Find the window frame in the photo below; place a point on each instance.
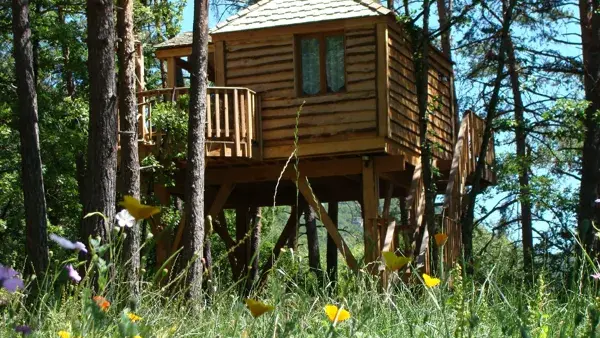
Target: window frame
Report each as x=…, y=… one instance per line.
x=321, y=36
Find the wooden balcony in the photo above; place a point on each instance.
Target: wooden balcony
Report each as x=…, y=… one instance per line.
x=232, y=121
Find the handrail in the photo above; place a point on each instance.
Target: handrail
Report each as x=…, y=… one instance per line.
x=232, y=117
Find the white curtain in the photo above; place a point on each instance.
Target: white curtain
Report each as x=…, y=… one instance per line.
x=334, y=65
x=311, y=79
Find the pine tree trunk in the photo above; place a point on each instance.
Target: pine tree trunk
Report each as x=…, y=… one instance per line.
x=101, y=173
x=468, y=213
x=590, y=160
x=312, y=239
x=521, y=141
x=130, y=164
x=332, y=251
x=241, y=253
x=421, y=56
x=253, y=255
x=193, y=236
x=31, y=162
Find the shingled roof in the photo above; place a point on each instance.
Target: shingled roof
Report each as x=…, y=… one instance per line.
x=180, y=40
x=277, y=13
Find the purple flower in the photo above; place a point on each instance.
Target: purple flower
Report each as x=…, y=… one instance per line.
x=73, y=274
x=23, y=329
x=9, y=279
x=596, y=275
x=67, y=244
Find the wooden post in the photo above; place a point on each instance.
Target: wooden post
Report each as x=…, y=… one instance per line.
x=171, y=72
x=370, y=187
x=332, y=254
x=220, y=63
x=383, y=81
x=241, y=227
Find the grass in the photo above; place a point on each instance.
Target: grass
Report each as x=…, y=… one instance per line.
x=485, y=307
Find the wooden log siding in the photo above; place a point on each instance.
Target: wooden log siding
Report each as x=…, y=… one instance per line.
x=267, y=67
x=404, y=113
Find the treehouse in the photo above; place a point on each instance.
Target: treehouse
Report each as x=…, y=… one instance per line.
x=333, y=83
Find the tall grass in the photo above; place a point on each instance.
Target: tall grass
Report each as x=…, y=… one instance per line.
x=464, y=307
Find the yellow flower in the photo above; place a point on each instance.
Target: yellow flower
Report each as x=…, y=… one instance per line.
x=431, y=281
x=440, y=239
x=137, y=209
x=332, y=311
x=137, y=336
x=257, y=308
x=133, y=317
x=64, y=334
x=393, y=262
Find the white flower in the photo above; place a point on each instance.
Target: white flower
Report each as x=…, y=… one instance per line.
x=124, y=219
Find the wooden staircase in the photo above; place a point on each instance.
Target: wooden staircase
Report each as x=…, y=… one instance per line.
x=455, y=177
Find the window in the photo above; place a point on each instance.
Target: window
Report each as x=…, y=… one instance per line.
x=322, y=66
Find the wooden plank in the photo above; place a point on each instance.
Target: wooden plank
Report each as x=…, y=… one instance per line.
x=306, y=191
x=310, y=111
x=217, y=114
x=220, y=70
x=236, y=120
x=243, y=114
x=262, y=61
x=370, y=204
x=339, y=116
x=259, y=52
x=320, y=130
x=258, y=70
x=208, y=116
x=373, y=144
x=171, y=72
x=455, y=168
x=250, y=123
x=307, y=101
x=383, y=83
x=226, y=111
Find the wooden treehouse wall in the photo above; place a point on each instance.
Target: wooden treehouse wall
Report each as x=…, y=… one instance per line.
x=266, y=65
x=403, y=109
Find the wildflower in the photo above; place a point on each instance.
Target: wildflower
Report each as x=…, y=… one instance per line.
x=258, y=308
x=102, y=303
x=67, y=244
x=125, y=219
x=137, y=209
x=440, y=239
x=9, y=279
x=137, y=336
x=64, y=334
x=336, y=315
x=431, y=281
x=73, y=274
x=133, y=317
x=393, y=262
x=596, y=276
x=23, y=329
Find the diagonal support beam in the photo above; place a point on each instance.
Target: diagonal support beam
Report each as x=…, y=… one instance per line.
x=307, y=192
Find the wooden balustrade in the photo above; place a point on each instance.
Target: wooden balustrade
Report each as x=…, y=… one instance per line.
x=232, y=120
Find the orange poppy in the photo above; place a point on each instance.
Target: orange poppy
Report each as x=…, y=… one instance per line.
x=440, y=239
x=102, y=303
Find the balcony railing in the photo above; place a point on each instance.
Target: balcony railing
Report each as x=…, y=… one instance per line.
x=232, y=120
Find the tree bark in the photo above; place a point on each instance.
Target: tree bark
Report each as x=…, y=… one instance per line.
x=241, y=253
x=253, y=255
x=31, y=162
x=421, y=47
x=590, y=159
x=523, y=161
x=194, y=194
x=312, y=239
x=130, y=164
x=469, y=210
x=101, y=165
x=332, y=251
